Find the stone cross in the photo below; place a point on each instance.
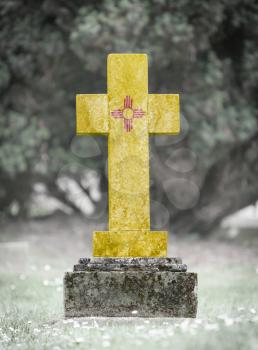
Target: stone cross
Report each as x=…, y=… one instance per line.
x=127, y=114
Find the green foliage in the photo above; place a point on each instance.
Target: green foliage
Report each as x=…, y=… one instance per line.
x=22, y=138
x=206, y=51
x=178, y=37
x=4, y=76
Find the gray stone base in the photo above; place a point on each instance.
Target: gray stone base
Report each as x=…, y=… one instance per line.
x=128, y=287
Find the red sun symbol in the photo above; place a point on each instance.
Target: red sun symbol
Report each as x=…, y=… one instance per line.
x=128, y=113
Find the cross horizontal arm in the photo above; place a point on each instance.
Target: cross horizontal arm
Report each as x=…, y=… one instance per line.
x=92, y=114
x=163, y=111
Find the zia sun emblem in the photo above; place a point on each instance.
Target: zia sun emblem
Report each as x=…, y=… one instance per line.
x=128, y=113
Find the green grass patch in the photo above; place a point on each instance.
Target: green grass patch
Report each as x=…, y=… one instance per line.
x=31, y=316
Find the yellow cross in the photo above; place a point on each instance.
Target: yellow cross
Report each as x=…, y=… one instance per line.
x=127, y=114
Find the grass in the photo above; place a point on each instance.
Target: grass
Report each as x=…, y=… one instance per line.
x=32, y=317
x=31, y=314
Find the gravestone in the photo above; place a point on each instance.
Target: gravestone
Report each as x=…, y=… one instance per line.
x=130, y=273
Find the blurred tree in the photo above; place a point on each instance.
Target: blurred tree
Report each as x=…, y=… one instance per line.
x=204, y=50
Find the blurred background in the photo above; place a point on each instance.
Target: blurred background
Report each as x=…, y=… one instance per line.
x=206, y=51
x=204, y=182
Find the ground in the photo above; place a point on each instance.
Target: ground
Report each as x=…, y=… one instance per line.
x=35, y=254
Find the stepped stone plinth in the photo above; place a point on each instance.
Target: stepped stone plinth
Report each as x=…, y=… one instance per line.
x=143, y=287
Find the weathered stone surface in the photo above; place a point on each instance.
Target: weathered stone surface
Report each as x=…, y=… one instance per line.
x=122, y=291
x=124, y=264
x=127, y=261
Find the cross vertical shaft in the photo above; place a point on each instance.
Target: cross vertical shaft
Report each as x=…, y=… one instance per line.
x=128, y=162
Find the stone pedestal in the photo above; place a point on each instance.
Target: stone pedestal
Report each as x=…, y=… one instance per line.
x=127, y=287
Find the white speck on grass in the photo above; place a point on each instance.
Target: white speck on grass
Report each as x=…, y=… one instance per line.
x=13, y=287
x=29, y=322
x=184, y=325
x=198, y=321
x=47, y=267
x=139, y=327
x=253, y=311
x=229, y=322
x=22, y=277
x=240, y=308
x=95, y=324
x=5, y=338
x=70, y=320
x=134, y=312
x=222, y=317
x=45, y=282
x=156, y=332
x=106, y=344
x=211, y=327
x=106, y=336
x=79, y=340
